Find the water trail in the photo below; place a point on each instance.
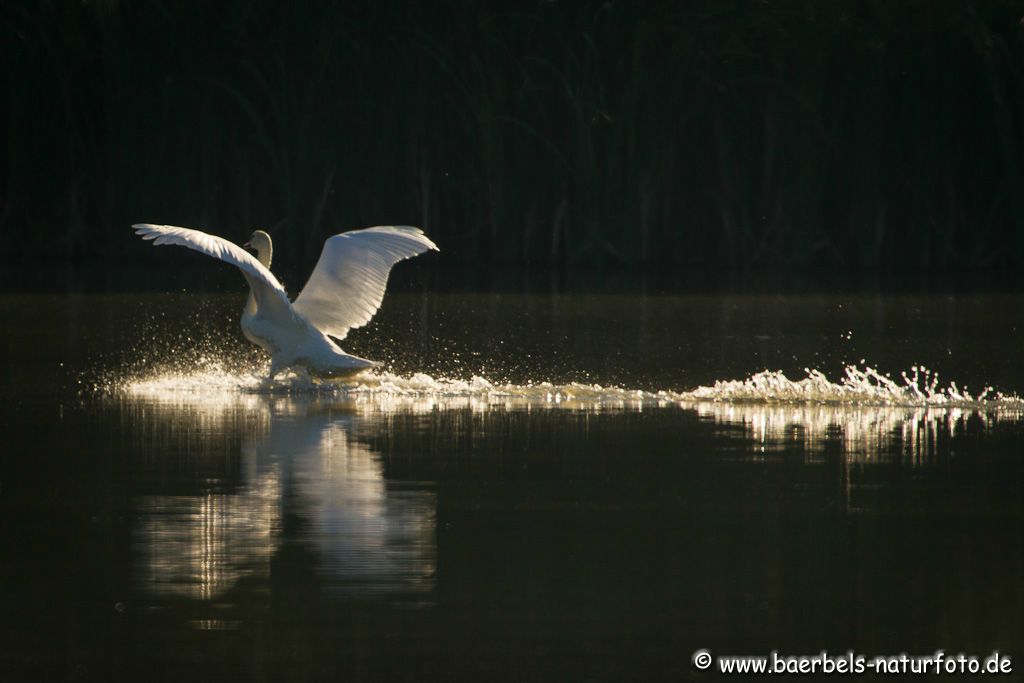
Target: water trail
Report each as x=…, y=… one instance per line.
x=211, y=366
x=864, y=413
x=859, y=385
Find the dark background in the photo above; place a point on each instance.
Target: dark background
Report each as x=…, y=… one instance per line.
x=864, y=136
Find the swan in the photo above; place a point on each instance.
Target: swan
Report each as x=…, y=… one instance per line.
x=344, y=291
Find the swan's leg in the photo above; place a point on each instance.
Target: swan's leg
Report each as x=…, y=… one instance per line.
x=276, y=366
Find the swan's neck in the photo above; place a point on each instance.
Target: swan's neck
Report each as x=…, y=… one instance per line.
x=250, y=304
x=263, y=256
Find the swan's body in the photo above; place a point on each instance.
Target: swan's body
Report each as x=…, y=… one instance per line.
x=344, y=291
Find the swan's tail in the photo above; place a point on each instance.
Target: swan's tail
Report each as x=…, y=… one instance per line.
x=343, y=365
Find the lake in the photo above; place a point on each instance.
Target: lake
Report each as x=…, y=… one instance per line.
x=533, y=487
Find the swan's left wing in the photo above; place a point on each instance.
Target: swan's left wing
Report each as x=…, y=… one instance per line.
x=347, y=285
x=268, y=291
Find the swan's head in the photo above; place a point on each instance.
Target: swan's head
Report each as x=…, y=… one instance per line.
x=261, y=244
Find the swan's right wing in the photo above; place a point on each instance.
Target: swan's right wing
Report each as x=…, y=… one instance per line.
x=268, y=291
x=347, y=285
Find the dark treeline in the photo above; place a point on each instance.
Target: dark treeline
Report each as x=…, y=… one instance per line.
x=842, y=134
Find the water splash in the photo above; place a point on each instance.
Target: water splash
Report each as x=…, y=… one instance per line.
x=860, y=385
x=864, y=414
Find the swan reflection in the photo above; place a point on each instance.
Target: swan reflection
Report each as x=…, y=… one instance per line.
x=232, y=477
x=287, y=457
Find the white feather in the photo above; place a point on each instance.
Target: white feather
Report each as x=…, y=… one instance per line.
x=265, y=287
x=347, y=286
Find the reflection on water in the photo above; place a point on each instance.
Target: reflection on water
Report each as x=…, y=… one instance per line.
x=866, y=414
x=371, y=536
x=298, y=457
x=304, y=450
x=862, y=433
x=199, y=546
x=640, y=502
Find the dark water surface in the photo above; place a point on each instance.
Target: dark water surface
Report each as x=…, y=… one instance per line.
x=210, y=534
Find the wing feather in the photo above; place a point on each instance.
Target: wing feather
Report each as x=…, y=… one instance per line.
x=348, y=283
x=265, y=287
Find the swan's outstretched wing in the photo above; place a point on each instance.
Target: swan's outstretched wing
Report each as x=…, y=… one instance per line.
x=347, y=285
x=268, y=291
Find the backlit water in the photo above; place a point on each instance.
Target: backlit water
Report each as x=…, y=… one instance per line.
x=533, y=487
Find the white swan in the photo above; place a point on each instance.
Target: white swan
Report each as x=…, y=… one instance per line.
x=344, y=291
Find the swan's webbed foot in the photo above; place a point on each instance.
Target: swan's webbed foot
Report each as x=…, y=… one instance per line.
x=278, y=367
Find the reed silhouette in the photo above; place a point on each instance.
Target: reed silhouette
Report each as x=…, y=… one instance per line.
x=849, y=134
